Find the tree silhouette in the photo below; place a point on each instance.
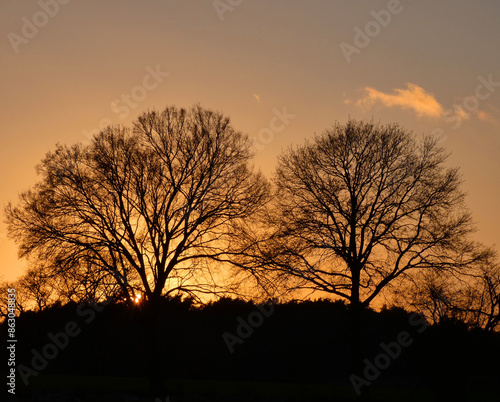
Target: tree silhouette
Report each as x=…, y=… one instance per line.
x=23, y=300
x=359, y=207
x=472, y=297
x=142, y=209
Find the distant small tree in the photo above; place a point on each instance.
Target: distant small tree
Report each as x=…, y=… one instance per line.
x=38, y=288
x=145, y=209
x=485, y=299
x=471, y=296
x=23, y=300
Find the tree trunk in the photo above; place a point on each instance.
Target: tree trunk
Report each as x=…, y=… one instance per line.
x=356, y=342
x=155, y=360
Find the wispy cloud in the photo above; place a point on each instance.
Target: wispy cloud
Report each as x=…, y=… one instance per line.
x=483, y=115
x=459, y=113
x=423, y=103
x=413, y=97
x=257, y=97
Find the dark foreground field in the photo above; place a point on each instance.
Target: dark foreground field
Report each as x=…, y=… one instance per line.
x=110, y=389
x=236, y=351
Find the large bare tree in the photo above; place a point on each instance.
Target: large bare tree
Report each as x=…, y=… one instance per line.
x=145, y=209
x=357, y=208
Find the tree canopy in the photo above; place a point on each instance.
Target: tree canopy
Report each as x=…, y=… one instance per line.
x=140, y=209
x=361, y=206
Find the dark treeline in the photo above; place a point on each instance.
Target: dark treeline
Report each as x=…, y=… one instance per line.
x=234, y=340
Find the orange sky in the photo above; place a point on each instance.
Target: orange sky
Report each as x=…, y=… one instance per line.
x=282, y=70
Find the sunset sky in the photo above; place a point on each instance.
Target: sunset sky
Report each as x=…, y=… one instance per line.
x=282, y=70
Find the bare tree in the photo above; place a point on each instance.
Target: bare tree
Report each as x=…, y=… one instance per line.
x=485, y=299
x=23, y=301
x=145, y=209
x=39, y=288
x=357, y=208
x=33, y=292
x=471, y=296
